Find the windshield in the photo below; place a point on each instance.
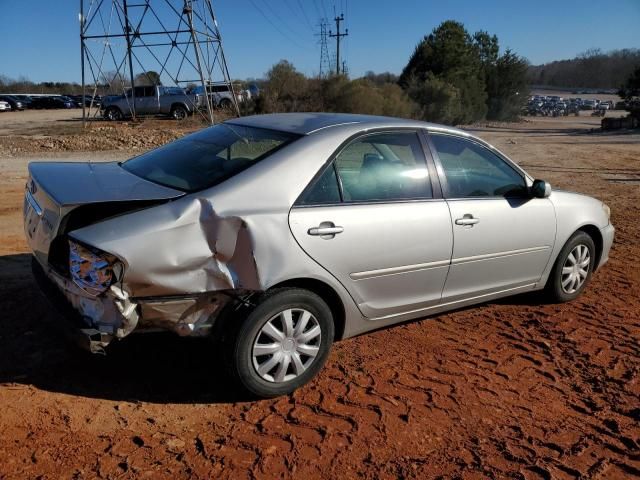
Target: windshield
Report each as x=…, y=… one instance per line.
x=208, y=157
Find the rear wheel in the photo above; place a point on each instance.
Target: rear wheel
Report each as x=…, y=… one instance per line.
x=281, y=344
x=179, y=112
x=113, y=114
x=573, y=268
x=225, y=103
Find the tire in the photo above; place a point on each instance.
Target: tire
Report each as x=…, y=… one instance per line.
x=179, y=112
x=113, y=114
x=571, y=289
x=247, y=349
x=225, y=103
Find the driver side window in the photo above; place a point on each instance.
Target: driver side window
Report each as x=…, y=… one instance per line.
x=472, y=170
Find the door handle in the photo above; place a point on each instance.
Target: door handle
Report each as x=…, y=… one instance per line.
x=467, y=220
x=325, y=230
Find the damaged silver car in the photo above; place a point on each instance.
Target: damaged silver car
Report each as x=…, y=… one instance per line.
x=276, y=235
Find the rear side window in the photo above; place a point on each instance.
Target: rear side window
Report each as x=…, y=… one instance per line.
x=472, y=170
x=324, y=190
x=208, y=157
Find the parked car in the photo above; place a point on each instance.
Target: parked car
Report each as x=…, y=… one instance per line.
x=74, y=102
x=25, y=99
x=51, y=102
x=4, y=106
x=589, y=104
x=151, y=100
x=87, y=100
x=276, y=235
x=221, y=95
x=15, y=102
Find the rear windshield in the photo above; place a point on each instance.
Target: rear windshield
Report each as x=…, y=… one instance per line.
x=208, y=157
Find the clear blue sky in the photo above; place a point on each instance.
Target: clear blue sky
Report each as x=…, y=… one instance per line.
x=39, y=38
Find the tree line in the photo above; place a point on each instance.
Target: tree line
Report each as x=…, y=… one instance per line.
x=452, y=77
x=591, y=69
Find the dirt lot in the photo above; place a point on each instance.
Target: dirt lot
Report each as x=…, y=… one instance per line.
x=513, y=389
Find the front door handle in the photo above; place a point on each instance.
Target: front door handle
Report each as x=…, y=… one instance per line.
x=467, y=220
x=326, y=230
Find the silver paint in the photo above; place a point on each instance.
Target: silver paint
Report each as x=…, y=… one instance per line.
x=390, y=262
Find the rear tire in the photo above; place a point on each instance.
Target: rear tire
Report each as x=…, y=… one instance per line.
x=225, y=104
x=179, y=112
x=573, y=268
x=281, y=344
x=113, y=114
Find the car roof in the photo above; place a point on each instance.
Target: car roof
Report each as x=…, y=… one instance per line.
x=308, y=123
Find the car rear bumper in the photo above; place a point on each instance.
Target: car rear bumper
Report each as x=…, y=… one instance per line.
x=70, y=320
x=93, y=322
x=607, y=240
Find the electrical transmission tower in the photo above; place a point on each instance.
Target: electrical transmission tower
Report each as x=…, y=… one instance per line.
x=125, y=44
x=338, y=36
x=325, y=69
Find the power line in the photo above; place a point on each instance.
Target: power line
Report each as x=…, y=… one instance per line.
x=305, y=14
x=285, y=35
x=280, y=17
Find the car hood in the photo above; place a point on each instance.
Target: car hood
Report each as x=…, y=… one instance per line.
x=73, y=183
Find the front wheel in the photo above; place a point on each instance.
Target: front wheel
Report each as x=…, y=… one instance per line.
x=573, y=268
x=281, y=344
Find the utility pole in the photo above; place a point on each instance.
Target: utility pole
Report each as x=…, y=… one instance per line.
x=338, y=36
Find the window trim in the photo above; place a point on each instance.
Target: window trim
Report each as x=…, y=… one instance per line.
x=427, y=156
x=443, y=177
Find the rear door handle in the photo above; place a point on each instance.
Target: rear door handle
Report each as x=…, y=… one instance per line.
x=467, y=220
x=325, y=230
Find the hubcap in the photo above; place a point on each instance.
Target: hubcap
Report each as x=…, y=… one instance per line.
x=286, y=345
x=576, y=268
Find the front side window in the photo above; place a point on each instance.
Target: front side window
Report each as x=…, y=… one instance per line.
x=472, y=170
x=383, y=166
x=208, y=157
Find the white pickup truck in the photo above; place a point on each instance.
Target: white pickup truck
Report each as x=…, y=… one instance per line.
x=151, y=100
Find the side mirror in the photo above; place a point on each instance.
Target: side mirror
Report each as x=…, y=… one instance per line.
x=540, y=189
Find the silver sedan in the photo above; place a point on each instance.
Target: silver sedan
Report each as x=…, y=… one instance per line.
x=277, y=235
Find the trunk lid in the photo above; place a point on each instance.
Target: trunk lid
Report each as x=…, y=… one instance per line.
x=54, y=189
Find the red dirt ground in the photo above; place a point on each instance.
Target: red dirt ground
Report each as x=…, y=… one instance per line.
x=512, y=389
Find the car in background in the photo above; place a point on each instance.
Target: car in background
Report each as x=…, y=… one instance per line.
x=588, y=104
x=25, y=99
x=151, y=100
x=385, y=220
x=51, y=102
x=15, y=102
x=87, y=100
x=221, y=95
x=73, y=101
x=4, y=106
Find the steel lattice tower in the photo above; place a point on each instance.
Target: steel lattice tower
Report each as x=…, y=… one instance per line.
x=178, y=39
x=325, y=69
